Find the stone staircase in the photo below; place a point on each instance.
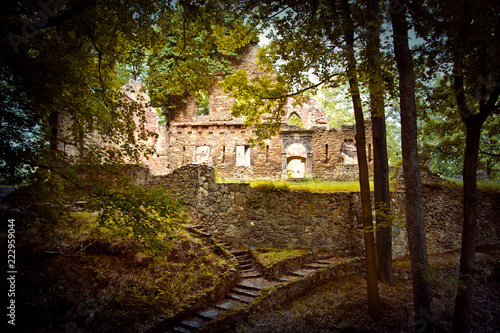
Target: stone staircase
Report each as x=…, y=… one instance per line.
x=245, y=292
x=250, y=290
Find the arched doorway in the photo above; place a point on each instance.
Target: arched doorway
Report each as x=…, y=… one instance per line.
x=296, y=154
x=296, y=157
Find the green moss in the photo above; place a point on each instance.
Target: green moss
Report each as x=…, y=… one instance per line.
x=269, y=256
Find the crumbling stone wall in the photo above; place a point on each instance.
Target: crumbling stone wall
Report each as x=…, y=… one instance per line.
x=248, y=216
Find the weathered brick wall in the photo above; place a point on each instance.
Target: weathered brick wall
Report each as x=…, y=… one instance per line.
x=248, y=216
x=328, y=160
x=221, y=141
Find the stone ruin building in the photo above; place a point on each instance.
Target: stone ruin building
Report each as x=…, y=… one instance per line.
x=216, y=138
x=209, y=134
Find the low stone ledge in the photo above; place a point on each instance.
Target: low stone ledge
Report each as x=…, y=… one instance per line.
x=272, y=271
x=212, y=294
x=282, y=293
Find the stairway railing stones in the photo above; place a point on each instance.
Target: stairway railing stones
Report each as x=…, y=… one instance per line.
x=212, y=294
x=282, y=293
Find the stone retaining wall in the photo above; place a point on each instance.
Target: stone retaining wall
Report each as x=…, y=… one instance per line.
x=260, y=217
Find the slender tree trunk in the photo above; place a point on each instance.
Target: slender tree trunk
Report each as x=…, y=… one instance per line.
x=461, y=317
x=54, y=138
x=380, y=160
x=422, y=292
x=473, y=124
x=371, y=260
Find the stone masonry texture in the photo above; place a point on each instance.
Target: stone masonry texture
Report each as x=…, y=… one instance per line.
x=256, y=217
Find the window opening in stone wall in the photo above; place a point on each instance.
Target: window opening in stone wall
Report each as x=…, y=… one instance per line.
x=202, y=155
x=326, y=152
x=243, y=155
x=349, y=154
x=202, y=103
x=294, y=120
x=223, y=154
x=267, y=153
x=183, y=154
x=369, y=152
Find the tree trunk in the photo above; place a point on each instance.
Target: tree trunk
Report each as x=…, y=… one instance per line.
x=422, y=292
x=54, y=139
x=473, y=124
x=371, y=260
x=381, y=164
x=461, y=317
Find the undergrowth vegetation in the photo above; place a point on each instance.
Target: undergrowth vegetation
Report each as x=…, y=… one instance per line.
x=86, y=278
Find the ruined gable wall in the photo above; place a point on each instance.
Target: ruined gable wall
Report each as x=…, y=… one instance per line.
x=220, y=103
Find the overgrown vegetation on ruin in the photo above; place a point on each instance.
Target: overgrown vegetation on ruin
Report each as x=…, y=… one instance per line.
x=312, y=185
x=82, y=279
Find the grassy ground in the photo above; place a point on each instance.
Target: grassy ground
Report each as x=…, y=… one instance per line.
x=483, y=186
x=341, y=306
x=310, y=185
x=340, y=186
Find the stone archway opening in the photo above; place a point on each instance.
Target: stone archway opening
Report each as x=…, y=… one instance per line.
x=296, y=167
x=296, y=154
x=296, y=157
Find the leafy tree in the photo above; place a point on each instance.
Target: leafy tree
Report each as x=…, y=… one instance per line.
x=339, y=113
x=195, y=43
x=67, y=61
x=462, y=47
x=442, y=134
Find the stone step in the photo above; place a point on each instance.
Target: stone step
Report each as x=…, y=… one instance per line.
x=285, y=278
x=245, y=292
x=302, y=272
x=243, y=257
x=245, y=260
x=180, y=329
x=250, y=274
x=229, y=304
x=324, y=256
x=314, y=266
x=209, y=314
x=241, y=298
x=250, y=284
x=239, y=252
x=192, y=323
x=322, y=262
x=245, y=266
